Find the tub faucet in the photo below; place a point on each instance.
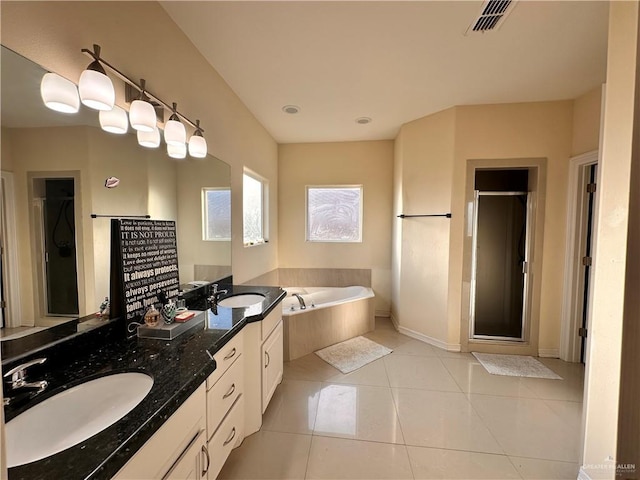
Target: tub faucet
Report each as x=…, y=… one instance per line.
x=18, y=378
x=303, y=306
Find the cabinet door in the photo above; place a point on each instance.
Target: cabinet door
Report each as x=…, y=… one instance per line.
x=272, y=365
x=193, y=463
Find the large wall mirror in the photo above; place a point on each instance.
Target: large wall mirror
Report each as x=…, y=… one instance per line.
x=55, y=261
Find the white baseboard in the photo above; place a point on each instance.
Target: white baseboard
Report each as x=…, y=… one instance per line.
x=549, y=352
x=451, y=347
x=382, y=313
x=582, y=475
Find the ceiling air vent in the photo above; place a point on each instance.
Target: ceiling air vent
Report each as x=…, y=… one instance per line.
x=492, y=14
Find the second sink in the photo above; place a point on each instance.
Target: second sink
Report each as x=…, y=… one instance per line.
x=73, y=416
x=242, y=300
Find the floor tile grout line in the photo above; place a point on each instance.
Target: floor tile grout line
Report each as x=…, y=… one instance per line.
x=306, y=467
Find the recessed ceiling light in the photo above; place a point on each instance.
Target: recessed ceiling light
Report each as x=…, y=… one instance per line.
x=363, y=120
x=291, y=109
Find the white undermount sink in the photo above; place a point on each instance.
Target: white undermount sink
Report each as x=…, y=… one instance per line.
x=241, y=300
x=73, y=416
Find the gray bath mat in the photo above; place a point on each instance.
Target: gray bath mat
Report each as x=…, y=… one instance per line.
x=352, y=354
x=515, y=366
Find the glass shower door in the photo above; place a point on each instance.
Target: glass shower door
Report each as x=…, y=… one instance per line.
x=499, y=266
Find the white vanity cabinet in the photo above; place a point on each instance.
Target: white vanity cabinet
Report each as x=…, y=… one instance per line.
x=196, y=440
x=177, y=449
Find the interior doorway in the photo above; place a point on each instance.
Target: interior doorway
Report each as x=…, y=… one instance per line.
x=56, y=247
x=581, y=214
x=499, y=277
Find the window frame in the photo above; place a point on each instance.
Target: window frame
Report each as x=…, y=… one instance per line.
x=205, y=214
x=264, y=207
x=360, y=187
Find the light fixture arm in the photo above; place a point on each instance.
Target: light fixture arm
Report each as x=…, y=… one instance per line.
x=95, y=54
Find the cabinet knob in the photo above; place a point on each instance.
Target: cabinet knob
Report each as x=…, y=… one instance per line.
x=267, y=359
x=231, y=354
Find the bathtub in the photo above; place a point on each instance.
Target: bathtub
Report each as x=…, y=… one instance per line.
x=332, y=315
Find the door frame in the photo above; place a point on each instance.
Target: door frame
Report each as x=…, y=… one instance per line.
x=572, y=299
x=537, y=168
x=12, y=282
x=40, y=309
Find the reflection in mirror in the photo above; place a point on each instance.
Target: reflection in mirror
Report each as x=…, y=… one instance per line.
x=55, y=264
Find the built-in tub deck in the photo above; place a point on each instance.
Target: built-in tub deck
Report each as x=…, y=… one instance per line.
x=332, y=315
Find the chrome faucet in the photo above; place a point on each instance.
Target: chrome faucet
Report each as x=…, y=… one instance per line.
x=18, y=378
x=215, y=296
x=303, y=306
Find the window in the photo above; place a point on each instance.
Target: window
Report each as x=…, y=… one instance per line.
x=334, y=214
x=216, y=214
x=254, y=195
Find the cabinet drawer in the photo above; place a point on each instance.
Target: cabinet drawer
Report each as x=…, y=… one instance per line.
x=269, y=323
x=225, y=357
x=161, y=451
x=190, y=465
x=228, y=436
x=223, y=394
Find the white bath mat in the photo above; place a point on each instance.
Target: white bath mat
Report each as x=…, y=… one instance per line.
x=352, y=354
x=515, y=366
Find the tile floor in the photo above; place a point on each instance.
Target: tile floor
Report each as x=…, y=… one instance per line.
x=418, y=413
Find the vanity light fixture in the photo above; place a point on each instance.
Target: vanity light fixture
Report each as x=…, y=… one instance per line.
x=114, y=120
x=197, y=143
x=174, y=131
x=149, y=139
x=95, y=87
x=142, y=115
x=177, y=151
x=59, y=94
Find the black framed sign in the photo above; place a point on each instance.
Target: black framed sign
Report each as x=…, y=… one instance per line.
x=144, y=263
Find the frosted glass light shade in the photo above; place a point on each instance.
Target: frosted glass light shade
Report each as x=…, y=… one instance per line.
x=114, y=120
x=174, y=133
x=149, y=139
x=59, y=94
x=142, y=116
x=177, y=151
x=96, y=90
x=197, y=146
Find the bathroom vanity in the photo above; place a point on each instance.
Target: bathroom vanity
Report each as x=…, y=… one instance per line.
x=210, y=388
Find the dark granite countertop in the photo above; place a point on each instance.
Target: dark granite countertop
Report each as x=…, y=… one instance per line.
x=178, y=368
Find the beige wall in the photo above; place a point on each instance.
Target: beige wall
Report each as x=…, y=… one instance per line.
x=432, y=155
x=586, y=122
x=351, y=163
x=6, y=160
x=47, y=150
x=192, y=250
x=424, y=180
x=602, y=377
x=517, y=131
x=52, y=34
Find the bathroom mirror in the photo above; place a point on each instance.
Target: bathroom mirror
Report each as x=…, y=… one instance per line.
x=55, y=171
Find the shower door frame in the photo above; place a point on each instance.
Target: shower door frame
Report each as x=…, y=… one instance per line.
x=526, y=267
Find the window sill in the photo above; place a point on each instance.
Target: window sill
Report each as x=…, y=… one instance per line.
x=256, y=244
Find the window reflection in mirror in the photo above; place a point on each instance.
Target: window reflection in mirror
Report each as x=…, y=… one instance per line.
x=39, y=145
